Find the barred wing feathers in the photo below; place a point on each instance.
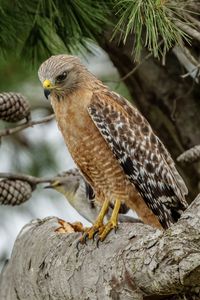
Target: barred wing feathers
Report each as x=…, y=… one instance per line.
x=141, y=154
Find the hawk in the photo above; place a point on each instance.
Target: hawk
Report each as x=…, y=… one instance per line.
x=113, y=146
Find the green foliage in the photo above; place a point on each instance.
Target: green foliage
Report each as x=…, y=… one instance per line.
x=11, y=66
x=39, y=28
x=151, y=21
x=6, y=33
x=45, y=27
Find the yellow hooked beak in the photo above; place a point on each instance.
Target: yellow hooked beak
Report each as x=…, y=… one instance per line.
x=48, y=86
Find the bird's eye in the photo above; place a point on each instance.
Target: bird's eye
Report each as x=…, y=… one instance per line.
x=61, y=77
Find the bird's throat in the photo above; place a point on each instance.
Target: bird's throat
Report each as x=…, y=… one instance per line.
x=72, y=116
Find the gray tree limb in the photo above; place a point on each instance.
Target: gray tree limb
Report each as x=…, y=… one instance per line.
x=138, y=262
x=31, y=123
x=191, y=155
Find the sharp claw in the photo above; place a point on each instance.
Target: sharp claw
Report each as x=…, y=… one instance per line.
x=94, y=235
x=99, y=228
x=85, y=239
x=77, y=245
x=82, y=240
x=97, y=244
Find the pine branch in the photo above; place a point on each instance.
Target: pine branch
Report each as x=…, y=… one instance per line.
x=152, y=21
x=42, y=28
x=47, y=27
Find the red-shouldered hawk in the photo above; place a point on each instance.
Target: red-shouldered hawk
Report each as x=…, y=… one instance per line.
x=113, y=145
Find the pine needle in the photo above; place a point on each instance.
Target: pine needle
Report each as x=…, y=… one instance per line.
x=150, y=21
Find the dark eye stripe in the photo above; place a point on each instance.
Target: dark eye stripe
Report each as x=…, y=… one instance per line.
x=61, y=77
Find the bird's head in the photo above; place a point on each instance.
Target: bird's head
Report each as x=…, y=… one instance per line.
x=66, y=183
x=61, y=74
x=57, y=185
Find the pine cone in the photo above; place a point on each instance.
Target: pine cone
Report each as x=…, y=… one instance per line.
x=14, y=107
x=14, y=192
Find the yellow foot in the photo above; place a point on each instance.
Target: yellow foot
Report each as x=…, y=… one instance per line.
x=112, y=224
x=67, y=227
x=90, y=232
x=99, y=227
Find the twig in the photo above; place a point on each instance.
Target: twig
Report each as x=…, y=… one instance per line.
x=196, y=69
x=136, y=67
x=189, y=30
x=189, y=55
x=31, y=179
x=9, y=131
x=194, y=6
x=193, y=21
x=131, y=72
x=188, y=61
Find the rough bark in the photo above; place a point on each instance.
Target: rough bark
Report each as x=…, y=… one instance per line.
x=138, y=262
x=169, y=102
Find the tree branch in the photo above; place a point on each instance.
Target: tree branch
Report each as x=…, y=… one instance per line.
x=9, y=131
x=24, y=177
x=190, y=156
x=146, y=262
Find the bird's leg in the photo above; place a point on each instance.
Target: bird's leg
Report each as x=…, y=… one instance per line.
x=112, y=223
x=98, y=223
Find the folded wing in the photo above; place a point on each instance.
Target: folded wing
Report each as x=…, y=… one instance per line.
x=143, y=157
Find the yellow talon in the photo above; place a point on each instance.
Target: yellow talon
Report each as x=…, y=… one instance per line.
x=112, y=223
x=103, y=230
x=98, y=224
